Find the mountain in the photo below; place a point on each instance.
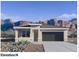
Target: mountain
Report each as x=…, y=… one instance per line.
x=21, y=23
x=7, y=24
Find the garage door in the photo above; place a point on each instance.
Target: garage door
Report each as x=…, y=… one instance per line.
x=52, y=36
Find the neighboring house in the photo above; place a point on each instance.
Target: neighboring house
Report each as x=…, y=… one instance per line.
x=36, y=33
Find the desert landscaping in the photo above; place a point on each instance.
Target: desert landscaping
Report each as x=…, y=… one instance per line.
x=22, y=46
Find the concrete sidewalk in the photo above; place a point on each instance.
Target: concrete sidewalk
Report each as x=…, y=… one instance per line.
x=59, y=46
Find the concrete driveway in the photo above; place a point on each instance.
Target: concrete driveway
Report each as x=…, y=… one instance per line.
x=59, y=46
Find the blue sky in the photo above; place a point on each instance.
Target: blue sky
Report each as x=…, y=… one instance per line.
x=35, y=11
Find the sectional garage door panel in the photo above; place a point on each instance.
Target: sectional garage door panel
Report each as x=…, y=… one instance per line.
x=52, y=36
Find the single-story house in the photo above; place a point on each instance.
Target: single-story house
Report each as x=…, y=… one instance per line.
x=36, y=33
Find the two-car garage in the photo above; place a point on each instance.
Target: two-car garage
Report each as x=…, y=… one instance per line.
x=52, y=36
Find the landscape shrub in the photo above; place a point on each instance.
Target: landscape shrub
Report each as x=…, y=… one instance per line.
x=23, y=42
x=73, y=36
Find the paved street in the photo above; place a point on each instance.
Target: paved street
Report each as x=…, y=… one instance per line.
x=58, y=46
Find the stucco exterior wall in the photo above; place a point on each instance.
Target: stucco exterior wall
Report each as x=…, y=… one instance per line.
x=31, y=38
x=16, y=35
x=40, y=30
x=66, y=35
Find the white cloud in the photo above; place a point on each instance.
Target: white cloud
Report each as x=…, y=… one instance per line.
x=17, y=18
x=13, y=18
x=67, y=16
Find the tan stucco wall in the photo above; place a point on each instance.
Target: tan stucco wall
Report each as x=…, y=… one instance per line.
x=24, y=38
x=66, y=35
x=31, y=35
x=16, y=35
x=31, y=38
x=39, y=36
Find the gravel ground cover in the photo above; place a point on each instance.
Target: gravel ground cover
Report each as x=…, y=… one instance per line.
x=21, y=47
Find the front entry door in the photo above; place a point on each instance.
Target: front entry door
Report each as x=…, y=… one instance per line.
x=35, y=35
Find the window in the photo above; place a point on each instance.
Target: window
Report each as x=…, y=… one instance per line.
x=25, y=33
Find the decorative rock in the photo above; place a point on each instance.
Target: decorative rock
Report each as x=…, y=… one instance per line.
x=14, y=47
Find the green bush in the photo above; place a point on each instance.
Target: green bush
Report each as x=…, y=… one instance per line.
x=23, y=42
x=73, y=36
